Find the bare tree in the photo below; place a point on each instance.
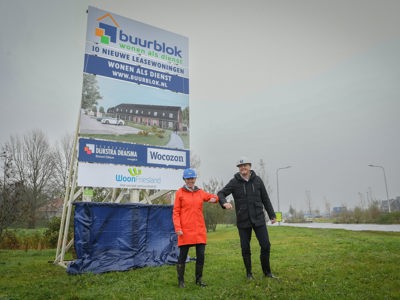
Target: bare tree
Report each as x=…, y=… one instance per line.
x=308, y=201
x=33, y=164
x=62, y=161
x=261, y=171
x=194, y=160
x=213, y=185
x=327, y=207
x=10, y=204
x=6, y=166
x=213, y=214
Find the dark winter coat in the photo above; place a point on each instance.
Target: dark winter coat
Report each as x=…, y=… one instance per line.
x=250, y=198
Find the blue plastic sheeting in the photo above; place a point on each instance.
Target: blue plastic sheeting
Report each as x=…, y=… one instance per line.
x=118, y=237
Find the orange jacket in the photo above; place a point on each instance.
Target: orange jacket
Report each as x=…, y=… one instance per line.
x=188, y=215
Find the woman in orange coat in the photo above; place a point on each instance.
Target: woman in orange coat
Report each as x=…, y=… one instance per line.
x=189, y=224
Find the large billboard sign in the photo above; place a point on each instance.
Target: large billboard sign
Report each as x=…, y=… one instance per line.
x=135, y=105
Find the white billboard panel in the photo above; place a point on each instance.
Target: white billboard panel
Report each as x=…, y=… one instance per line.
x=120, y=176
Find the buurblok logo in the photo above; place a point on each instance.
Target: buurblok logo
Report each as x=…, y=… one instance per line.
x=107, y=33
x=136, y=178
x=89, y=148
x=110, y=33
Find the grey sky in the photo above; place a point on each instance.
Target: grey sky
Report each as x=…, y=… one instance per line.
x=313, y=84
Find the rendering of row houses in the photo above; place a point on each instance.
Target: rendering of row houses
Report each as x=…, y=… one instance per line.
x=165, y=117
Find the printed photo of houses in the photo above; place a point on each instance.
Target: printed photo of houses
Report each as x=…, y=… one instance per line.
x=126, y=112
x=165, y=117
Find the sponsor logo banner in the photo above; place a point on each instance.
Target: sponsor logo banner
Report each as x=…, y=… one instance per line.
x=167, y=157
x=119, y=176
x=108, y=152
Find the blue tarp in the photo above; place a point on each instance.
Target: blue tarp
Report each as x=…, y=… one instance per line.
x=118, y=237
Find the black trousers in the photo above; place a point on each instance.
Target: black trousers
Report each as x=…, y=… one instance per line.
x=200, y=250
x=262, y=237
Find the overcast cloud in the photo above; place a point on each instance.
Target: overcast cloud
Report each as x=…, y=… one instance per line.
x=311, y=84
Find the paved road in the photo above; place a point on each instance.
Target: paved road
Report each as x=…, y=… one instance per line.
x=90, y=125
x=175, y=141
x=355, y=227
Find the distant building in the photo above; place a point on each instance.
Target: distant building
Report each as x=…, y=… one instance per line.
x=394, y=205
x=384, y=205
x=338, y=210
x=165, y=117
x=52, y=208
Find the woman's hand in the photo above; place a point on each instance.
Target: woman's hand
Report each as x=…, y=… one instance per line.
x=180, y=232
x=212, y=200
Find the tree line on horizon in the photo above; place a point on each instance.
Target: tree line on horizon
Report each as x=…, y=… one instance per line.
x=36, y=172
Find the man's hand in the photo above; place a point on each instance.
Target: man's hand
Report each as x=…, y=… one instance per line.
x=227, y=205
x=180, y=232
x=273, y=221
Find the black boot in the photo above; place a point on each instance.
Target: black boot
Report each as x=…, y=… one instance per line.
x=199, y=275
x=247, y=264
x=264, y=258
x=180, y=268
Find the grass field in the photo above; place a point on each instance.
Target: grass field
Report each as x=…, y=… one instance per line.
x=311, y=264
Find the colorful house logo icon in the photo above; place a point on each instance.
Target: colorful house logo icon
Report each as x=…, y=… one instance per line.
x=107, y=33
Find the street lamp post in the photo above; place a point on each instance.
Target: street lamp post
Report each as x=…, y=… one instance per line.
x=384, y=177
x=277, y=184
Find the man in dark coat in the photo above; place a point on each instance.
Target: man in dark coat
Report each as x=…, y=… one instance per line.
x=250, y=196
